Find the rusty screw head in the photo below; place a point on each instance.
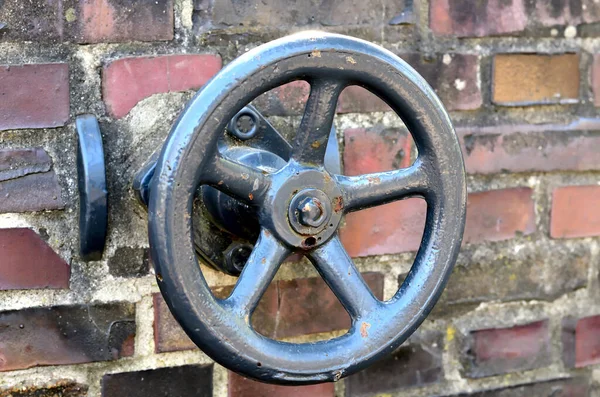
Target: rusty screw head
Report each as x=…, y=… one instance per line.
x=311, y=212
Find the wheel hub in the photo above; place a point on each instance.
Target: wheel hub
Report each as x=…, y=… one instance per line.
x=309, y=210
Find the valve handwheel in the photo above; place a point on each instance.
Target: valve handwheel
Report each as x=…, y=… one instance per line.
x=300, y=207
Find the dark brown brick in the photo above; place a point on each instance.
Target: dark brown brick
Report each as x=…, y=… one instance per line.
x=525, y=148
x=129, y=262
x=244, y=387
x=28, y=262
x=307, y=306
x=575, y=212
x=15, y=163
x=87, y=21
x=65, y=335
x=185, y=381
x=454, y=77
x=511, y=277
x=530, y=79
x=581, y=341
x=573, y=387
x=591, y=11
x=34, y=96
x=34, y=192
x=288, y=308
x=464, y=18
x=552, y=13
x=60, y=389
x=109, y=21
x=127, y=81
x=418, y=362
x=285, y=13
x=503, y=350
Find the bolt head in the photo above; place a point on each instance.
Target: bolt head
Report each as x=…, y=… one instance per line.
x=311, y=212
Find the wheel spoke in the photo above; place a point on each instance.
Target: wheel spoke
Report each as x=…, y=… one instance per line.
x=310, y=143
x=379, y=188
x=262, y=265
x=342, y=276
x=238, y=180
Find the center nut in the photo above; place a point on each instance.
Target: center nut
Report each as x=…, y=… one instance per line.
x=309, y=211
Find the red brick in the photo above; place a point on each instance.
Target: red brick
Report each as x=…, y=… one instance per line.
x=398, y=227
x=498, y=215
x=524, y=148
x=244, y=387
x=307, y=306
x=575, y=212
x=87, y=21
x=551, y=13
x=502, y=350
x=184, y=381
x=596, y=79
x=110, y=21
x=465, y=18
x=587, y=341
x=529, y=79
x=65, y=335
x=34, y=192
x=591, y=11
x=28, y=262
x=127, y=81
x=288, y=308
x=34, y=96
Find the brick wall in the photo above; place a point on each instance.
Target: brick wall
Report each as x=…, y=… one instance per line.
x=521, y=79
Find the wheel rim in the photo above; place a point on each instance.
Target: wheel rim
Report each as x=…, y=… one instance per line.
x=222, y=328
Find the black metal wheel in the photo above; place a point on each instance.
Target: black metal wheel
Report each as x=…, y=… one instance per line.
x=300, y=207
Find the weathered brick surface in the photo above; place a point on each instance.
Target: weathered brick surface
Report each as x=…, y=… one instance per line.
x=186, y=381
x=499, y=215
x=454, y=77
x=15, y=163
x=418, y=362
x=581, y=341
x=551, y=13
x=129, y=262
x=33, y=192
x=34, y=95
x=503, y=350
x=527, y=147
x=575, y=211
x=59, y=389
x=398, y=227
x=87, y=21
x=288, y=308
x=570, y=387
x=244, y=387
x=127, y=81
x=528, y=79
x=483, y=18
x=279, y=13
x=595, y=79
x=65, y=335
x=515, y=277
x=28, y=262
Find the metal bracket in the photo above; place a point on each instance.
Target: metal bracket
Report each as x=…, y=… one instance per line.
x=93, y=215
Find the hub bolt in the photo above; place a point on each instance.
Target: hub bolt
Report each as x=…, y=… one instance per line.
x=311, y=212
